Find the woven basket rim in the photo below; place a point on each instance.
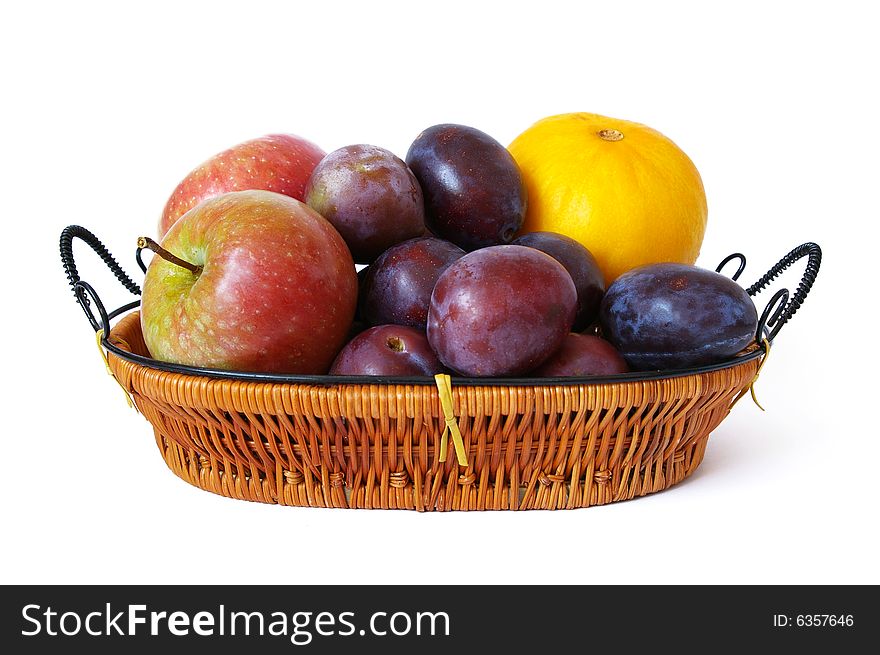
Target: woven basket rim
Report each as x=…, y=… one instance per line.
x=754, y=352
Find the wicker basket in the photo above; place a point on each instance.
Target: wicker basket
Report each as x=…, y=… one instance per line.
x=323, y=441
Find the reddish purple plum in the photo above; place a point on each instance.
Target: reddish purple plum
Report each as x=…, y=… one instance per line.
x=582, y=355
x=370, y=196
x=397, y=287
x=580, y=264
x=388, y=350
x=671, y=316
x=474, y=192
x=501, y=311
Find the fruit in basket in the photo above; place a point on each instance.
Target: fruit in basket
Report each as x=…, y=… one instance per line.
x=397, y=287
x=356, y=328
x=262, y=283
x=669, y=316
x=580, y=264
x=625, y=191
x=474, y=194
x=582, y=355
x=275, y=162
x=370, y=196
x=387, y=350
x=501, y=311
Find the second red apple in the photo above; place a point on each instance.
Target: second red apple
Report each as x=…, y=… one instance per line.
x=276, y=162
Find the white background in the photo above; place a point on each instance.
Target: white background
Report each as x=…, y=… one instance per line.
x=106, y=107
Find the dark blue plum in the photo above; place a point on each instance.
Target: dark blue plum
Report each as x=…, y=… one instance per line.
x=671, y=316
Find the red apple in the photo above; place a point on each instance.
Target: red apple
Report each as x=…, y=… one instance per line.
x=273, y=288
x=276, y=162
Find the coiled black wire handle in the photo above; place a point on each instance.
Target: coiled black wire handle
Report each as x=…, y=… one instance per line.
x=82, y=290
x=780, y=309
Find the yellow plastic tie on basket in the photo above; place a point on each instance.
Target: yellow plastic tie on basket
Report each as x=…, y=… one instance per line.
x=444, y=387
x=99, y=335
x=751, y=387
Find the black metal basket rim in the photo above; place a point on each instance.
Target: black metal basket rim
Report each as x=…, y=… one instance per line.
x=335, y=380
x=778, y=311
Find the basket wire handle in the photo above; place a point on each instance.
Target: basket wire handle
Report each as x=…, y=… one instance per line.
x=87, y=297
x=742, y=264
x=782, y=306
x=444, y=387
x=83, y=291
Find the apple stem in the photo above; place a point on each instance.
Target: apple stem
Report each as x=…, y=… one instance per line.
x=149, y=244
